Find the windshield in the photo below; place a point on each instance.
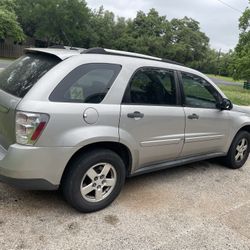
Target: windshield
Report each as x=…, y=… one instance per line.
x=20, y=76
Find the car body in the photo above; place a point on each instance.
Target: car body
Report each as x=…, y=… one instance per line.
x=129, y=116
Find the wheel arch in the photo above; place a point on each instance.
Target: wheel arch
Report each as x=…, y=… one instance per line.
x=117, y=147
x=245, y=128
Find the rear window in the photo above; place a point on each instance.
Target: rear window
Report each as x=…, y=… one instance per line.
x=88, y=83
x=20, y=76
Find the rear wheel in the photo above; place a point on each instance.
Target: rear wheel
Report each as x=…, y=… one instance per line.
x=239, y=151
x=94, y=180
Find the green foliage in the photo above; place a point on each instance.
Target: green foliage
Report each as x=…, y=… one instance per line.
x=215, y=62
x=188, y=42
x=57, y=21
x=8, y=5
x=149, y=33
x=71, y=22
x=9, y=27
x=241, y=63
x=180, y=39
x=237, y=94
x=102, y=25
x=225, y=78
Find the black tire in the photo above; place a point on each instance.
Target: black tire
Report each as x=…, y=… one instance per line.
x=230, y=160
x=72, y=181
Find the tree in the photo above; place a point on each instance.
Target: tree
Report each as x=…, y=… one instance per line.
x=102, y=26
x=58, y=21
x=179, y=39
x=189, y=44
x=241, y=62
x=9, y=26
x=70, y=22
x=147, y=33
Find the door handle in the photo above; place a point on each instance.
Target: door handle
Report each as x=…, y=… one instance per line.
x=193, y=117
x=136, y=114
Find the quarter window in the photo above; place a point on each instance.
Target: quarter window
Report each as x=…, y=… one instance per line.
x=151, y=87
x=88, y=83
x=198, y=92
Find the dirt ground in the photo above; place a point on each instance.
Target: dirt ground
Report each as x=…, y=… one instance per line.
x=197, y=206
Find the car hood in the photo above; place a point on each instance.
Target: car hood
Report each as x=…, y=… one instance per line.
x=242, y=109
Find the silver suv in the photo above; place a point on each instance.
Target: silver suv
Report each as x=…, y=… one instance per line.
x=84, y=120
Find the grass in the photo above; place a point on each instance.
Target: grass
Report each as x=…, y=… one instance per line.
x=7, y=59
x=237, y=94
x=5, y=62
x=225, y=78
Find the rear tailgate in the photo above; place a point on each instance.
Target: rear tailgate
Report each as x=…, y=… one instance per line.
x=8, y=105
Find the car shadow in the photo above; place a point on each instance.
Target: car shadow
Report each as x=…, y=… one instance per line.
x=53, y=201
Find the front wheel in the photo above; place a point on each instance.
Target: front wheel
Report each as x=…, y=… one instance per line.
x=239, y=151
x=94, y=180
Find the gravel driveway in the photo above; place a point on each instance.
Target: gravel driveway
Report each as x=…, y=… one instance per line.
x=197, y=206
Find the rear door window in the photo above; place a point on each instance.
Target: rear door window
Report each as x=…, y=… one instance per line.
x=151, y=86
x=88, y=83
x=20, y=76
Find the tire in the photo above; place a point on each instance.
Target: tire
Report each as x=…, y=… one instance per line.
x=94, y=180
x=233, y=160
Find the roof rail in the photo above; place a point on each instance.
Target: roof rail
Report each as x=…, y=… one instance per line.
x=104, y=51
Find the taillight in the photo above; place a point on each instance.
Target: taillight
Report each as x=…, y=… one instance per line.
x=29, y=126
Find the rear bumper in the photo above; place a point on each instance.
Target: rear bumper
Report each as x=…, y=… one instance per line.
x=29, y=184
x=34, y=168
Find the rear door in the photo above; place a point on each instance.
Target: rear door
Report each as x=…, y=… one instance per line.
x=151, y=116
x=15, y=81
x=207, y=127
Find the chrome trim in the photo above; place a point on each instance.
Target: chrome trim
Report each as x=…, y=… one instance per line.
x=201, y=137
x=161, y=142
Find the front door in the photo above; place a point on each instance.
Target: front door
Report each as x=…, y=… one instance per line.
x=151, y=118
x=207, y=127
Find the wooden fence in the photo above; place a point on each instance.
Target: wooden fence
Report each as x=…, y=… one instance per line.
x=11, y=50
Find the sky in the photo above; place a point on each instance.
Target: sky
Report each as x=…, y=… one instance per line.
x=218, y=21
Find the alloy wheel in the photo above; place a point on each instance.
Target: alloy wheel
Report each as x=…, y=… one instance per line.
x=98, y=182
x=241, y=149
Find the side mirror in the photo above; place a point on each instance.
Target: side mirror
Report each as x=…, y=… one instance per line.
x=225, y=104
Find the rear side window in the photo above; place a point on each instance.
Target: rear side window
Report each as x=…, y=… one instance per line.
x=88, y=83
x=21, y=75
